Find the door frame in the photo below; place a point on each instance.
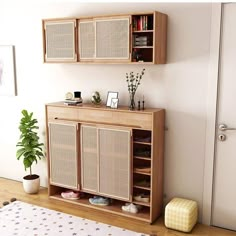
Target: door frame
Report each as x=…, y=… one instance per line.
x=211, y=116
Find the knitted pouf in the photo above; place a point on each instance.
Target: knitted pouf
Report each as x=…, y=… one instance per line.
x=181, y=214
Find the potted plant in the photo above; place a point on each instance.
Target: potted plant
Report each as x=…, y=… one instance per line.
x=30, y=149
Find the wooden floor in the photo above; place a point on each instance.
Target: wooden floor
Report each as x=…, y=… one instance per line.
x=10, y=189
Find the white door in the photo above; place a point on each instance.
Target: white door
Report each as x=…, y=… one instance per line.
x=224, y=191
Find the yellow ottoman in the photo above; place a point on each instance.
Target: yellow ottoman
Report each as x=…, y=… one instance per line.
x=181, y=214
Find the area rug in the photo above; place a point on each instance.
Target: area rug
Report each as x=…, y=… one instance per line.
x=23, y=219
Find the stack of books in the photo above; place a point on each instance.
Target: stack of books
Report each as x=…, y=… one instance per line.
x=140, y=41
x=72, y=102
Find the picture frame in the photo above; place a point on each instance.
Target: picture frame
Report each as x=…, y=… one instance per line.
x=7, y=71
x=111, y=95
x=114, y=103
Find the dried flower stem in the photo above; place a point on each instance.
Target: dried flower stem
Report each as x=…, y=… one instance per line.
x=134, y=81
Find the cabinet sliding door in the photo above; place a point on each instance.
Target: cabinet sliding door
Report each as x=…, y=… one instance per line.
x=104, y=39
x=89, y=160
x=63, y=154
x=114, y=163
x=112, y=38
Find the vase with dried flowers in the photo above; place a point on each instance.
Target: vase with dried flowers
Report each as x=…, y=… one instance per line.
x=133, y=82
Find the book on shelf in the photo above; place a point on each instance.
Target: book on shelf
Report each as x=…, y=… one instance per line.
x=141, y=41
x=140, y=23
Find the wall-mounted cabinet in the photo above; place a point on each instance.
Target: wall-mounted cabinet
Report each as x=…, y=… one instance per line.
x=130, y=38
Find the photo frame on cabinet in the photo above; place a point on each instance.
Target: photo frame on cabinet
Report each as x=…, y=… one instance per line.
x=114, y=103
x=110, y=96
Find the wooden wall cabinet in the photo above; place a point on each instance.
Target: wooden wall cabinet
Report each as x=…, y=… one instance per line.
x=115, y=153
x=130, y=38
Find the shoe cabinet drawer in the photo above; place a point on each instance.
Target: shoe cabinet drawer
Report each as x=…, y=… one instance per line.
x=101, y=116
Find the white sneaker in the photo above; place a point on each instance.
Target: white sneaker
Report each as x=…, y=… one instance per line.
x=130, y=208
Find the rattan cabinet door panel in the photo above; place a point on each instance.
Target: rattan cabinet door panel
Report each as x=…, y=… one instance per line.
x=63, y=154
x=89, y=159
x=114, y=163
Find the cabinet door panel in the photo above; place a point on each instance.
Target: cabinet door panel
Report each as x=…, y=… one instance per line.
x=60, y=41
x=86, y=40
x=89, y=158
x=112, y=39
x=114, y=162
x=63, y=154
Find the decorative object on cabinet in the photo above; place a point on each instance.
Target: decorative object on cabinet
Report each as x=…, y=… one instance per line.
x=77, y=95
x=133, y=82
x=101, y=152
x=7, y=71
x=69, y=96
x=123, y=38
x=110, y=96
x=114, y=102
x=96, y=98
x=30, y=149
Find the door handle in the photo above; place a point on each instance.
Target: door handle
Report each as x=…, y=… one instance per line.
x=223, y=127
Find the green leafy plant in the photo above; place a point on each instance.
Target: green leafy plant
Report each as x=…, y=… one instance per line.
x=29, y=147
x=96, y=98
x=133, y=81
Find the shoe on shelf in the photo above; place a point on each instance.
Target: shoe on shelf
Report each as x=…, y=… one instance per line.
x=130, y=208
x=101, y=201
x=70, y=195
x=143, y=183
x=142, y=198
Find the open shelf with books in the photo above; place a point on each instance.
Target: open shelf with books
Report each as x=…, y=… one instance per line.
x=149, y=38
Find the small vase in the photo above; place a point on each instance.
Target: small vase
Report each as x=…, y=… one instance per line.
x=132, y=101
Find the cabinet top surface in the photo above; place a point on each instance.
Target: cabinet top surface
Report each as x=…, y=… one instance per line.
x=105, y=15
x=103, y=107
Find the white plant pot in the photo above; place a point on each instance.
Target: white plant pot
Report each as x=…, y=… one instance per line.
x=31, y=184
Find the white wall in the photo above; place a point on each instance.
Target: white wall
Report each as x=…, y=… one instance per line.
x=180, y=86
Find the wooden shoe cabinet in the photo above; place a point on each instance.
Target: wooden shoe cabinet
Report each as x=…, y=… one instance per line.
x=114, y=153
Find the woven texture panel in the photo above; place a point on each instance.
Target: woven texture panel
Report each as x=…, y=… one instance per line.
x=114, y=153
x=63, y=154
x=181, y=214
x=89, y=158
x=86, y=40
x=112, y=39
x=60, y=40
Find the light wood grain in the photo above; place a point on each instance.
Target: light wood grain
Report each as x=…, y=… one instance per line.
x=148, y=122
x=160, y=37
x=10, y=188
x=101, y=115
